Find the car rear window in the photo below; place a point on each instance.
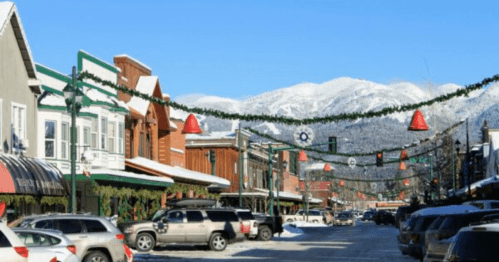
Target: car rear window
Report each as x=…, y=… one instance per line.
x=45, y=224
x=436, y=223
x=222, y=216
x=70, y=226
x=245, y=215
x=94, y=226
x=476, y=246
x=4, y=242
x=194, y=216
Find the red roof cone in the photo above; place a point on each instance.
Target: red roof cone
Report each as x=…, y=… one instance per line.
x=342, y=183
x=403, y=155
x=418, y=123
x=191, y=126
x=402, y=166
x=2, y=208
x=406, y=182
x=327, y=167
x=302, y=157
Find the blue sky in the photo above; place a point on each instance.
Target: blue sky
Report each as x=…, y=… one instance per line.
x=239, y=49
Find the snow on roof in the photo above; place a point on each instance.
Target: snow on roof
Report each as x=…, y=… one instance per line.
x=5, y=13
x=146, y=86
x=135, y=60
x=166, y=95
x=444, y=210
x=178, y=114
x=101, y=60
x=317, y=167
x=479, y=184
x=289, y=195
x=179, y=172
x=98, y=96
x=51, y=99
x=212, y=136
x=130, y=175
x=172, y=125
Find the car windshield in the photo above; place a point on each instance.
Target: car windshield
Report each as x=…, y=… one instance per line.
x=157, y=216
x=476, y=246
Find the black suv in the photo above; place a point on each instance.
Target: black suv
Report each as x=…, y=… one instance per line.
x=383, y=217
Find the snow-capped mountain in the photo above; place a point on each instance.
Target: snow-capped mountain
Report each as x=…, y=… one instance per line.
x=347, y=95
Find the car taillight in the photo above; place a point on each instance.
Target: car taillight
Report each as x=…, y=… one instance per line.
x=120, y=237
x=53, y=259
x=23, y=251
x=245, y=229
x=128, y=253
x=415, y=237
x=72, y=249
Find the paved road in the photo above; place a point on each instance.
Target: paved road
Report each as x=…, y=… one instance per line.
x=364, y=242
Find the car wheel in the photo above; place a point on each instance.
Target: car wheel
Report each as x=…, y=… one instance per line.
x=264, y=233
x=218, y=242
x=145, y=242
x=96, y=256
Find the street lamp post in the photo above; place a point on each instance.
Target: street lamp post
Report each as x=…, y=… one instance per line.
x=240, y=167
x=73, y=98
x=454, y=155
x=279, y=180
x=431, y=176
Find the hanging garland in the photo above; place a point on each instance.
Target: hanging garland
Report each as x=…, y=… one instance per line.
x=292, y=121
x=351, y=154
x=372, y=164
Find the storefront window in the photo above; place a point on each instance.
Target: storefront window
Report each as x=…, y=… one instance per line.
x=111, y=136
x=64, y=140
x=49, y=139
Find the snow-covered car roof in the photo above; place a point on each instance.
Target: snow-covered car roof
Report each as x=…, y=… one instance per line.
x=443, y=210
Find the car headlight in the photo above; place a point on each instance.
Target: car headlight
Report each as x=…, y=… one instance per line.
x=128, y=230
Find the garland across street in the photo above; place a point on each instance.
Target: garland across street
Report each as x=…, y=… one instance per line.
x=292, y=121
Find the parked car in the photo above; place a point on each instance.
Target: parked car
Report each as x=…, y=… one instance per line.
x=216, y=227
x=435, y=246
x=483, y=204
x=11, y=248
x=367, y=216
x=268, y=226
x=314, y=216
x=39, y=241
x=411, y=236
x=95, y=238
x=383, y=217
x=475, y=243
x=345, y=218
x=403, y=213
x=249, y=223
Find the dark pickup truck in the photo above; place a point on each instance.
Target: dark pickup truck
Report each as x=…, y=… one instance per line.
x=268, y=226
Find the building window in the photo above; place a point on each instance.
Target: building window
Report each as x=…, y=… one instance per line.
x=50, y=139
x=94, y=130
x=64, y=140
x=18, y=122
x=103, y=133
x=121, y=130
x=148, y=147
x=141, y=145
x=111, y=136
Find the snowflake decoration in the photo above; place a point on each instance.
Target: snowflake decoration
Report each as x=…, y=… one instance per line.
x=303, y=136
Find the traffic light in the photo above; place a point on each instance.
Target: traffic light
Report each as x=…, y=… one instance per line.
x=212, y=156
x=332, y=144
x=379, y=158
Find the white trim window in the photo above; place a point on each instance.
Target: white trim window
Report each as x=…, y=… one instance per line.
x=64, y=140
x=86, y=137
x=18, y=123
x=121, y=131
x=111, y=136
x=50, y=148
x=94, y=131
x=103, y=133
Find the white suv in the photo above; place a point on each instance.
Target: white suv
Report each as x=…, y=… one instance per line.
x=11, y=247
x=249, y=224
x=475, y=243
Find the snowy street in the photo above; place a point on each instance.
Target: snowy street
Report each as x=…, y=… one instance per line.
x=364, y=242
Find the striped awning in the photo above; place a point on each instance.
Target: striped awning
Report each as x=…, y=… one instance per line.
x=30, y=176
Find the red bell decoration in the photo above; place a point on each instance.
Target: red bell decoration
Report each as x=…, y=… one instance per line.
x=342, y=183
x=191, y=126
x=402, y=195
x=406, y=182
x=2, y=208
x=327, y=167
x=302, y=157
x=403, y=155
x=418, y=123
x=402, y=166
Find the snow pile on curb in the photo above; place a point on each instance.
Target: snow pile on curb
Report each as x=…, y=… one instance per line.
x=290, y=231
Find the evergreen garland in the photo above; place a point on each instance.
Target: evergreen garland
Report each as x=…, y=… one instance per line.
x=292, y=121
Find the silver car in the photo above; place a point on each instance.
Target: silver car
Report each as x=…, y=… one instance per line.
x=48, y=241
x=95, y=238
